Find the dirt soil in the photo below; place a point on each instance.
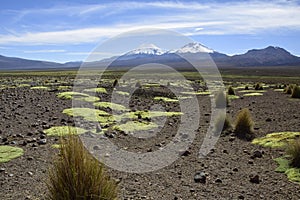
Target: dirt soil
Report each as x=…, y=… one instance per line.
x=25, y=113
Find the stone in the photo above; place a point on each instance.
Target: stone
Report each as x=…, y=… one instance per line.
x=200, y=177
x=42, y=141
x=254, y=179
x=257, y=154
x=218, y=180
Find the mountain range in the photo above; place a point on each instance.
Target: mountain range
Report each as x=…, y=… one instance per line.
x=149, y=53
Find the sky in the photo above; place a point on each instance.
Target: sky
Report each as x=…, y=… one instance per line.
x=63, y=31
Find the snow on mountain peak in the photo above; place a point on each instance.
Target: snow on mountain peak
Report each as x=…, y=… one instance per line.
x=149, y=49
x=193, y=47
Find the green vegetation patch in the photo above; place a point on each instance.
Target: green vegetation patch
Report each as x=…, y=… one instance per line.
x=63, y=87
x=110, y=105
x=276, y=140
x=198, y=93
x=89, y=99
x=64, y=130
x=39, y=88
x=78, y=96
x=96, y=90
x=252, y=91
x=165, y=99
x=90, y=114
x=253, y=94
x=8, y=153
x=122, y=93
x=133, y=126
x=23, y=85
x=279, y=90
x=231, y=97
x=292, y=173
x=149, y=114
x=71, y=95
x=148, y=85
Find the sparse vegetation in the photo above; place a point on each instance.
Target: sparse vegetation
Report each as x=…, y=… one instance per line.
x=296, y=92
x=8, y=153
x=244, y=124
x=289, y=89
x=293, y=151
x=78, y=175
x=223, y=123
x=231, y=91
x=221, y=99
x=258, y=86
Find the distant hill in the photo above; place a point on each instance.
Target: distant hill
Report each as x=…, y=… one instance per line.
x=149, y=53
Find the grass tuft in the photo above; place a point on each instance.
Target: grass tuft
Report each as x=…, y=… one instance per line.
x=223, y=123
x=296, y=92
x=258, y=86
x=222, y=99
x=244, y=125
x=75, y=174
x=289, y=89
x=231, y=91
x=293, y=151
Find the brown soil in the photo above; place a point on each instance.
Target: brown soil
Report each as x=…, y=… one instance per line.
x=24, y=113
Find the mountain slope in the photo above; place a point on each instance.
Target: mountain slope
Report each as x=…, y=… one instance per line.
x=149, y=53
x=270, y=56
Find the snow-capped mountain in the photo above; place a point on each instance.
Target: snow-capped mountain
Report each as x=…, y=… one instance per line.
x=193, y=47
x=148, y=49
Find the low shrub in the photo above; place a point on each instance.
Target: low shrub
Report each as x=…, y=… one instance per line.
x=293, y=151
x=78, y=175
x=258, y=86
x=222, y=123
x=221, y=99
x=296, y=92
x=289, y=89
x=244, y=125
x=231, y=91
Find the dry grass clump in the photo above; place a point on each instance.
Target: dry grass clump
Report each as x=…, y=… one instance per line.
x=296, y=92
x=231, y=91
x=289, y=89
x=221, y=99
x=258, y=86
x=222, y=124
x=78, y=175
x=293, y=150
x=244, y=125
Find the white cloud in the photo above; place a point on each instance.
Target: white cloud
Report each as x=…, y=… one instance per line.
x=46, y=51
x=244, y=17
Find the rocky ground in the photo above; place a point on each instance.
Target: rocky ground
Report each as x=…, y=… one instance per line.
x=234, y=169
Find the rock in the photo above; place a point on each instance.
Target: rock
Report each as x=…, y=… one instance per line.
x=98, y=128
x=96, y=148
x=257, y=154
x=109, y=135
x=30, y=158
x=241, y=197
x=225, y=151
x=235, y=169
x=218, y=180
x=250, y=162
x=2, y=169
x=30, y=173
x=185, y=153
x=200, y=177
x=268, y=120
x=42, y=141
x=254, y=179
x=231, y=138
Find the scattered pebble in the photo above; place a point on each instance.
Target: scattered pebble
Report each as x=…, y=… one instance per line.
x=200, y=177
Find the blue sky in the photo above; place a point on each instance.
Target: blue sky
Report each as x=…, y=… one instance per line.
x=68, y=30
